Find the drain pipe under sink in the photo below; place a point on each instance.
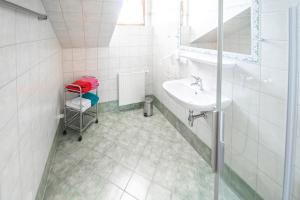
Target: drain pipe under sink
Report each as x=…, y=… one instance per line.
x=192, y=117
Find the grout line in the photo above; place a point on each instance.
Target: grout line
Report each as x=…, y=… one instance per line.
x=84, y=32
x=51, y=163
x=27, y=42
x=129, y=195
x=134, y=171
x=28, y=70
x=17, y=115
x=67, y=28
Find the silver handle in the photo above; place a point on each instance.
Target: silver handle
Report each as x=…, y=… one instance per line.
x=217, y=153
x=292, y=101
x=214, y=142
x=197, y=78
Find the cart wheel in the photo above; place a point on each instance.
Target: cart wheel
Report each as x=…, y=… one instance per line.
x=64, y=132
x=96, y=121
x=79, y=138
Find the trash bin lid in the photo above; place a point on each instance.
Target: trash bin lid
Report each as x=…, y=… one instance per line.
x=148, y=99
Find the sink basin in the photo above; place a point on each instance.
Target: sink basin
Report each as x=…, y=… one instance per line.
x=192, y=97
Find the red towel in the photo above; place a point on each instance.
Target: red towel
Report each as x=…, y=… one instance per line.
x=84, y=85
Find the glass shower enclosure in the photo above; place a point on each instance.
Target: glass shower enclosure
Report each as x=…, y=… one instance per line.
x=255, y=147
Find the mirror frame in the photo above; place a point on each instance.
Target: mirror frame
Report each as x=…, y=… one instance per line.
x=255, y=38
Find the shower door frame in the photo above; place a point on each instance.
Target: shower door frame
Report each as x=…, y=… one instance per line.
x=292, y=105
x=218, y=147
x=218, y=138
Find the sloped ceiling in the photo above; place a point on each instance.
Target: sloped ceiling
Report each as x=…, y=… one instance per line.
x=83, y=23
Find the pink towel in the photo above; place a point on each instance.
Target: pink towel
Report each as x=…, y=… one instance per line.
x=91, y=79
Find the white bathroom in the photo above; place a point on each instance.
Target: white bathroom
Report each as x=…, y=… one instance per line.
x=149, y=100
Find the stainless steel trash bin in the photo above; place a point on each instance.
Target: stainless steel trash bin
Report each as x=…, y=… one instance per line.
x=148, y=107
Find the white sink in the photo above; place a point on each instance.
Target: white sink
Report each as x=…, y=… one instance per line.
x=192, y=97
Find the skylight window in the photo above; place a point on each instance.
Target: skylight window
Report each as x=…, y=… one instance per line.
x=132, y=13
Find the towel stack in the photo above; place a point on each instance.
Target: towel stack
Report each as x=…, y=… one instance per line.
x=91, y=79
x=86, y=84
x=92, y=97
x=75, y=104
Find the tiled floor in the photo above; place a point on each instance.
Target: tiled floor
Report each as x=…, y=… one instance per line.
x=129, y=157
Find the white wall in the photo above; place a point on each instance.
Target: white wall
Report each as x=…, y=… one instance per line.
x=130, y=50
x=255, y=123
x=164, y=44
x=30, y=90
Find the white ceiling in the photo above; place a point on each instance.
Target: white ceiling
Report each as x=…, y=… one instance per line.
x=83, y=23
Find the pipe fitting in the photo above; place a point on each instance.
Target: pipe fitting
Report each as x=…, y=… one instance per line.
x=192, y=117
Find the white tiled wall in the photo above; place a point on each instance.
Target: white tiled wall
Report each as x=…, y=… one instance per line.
x=165, y=68
x=30, y=89
x=130, y=50
x=255, y=123
x=30, y=67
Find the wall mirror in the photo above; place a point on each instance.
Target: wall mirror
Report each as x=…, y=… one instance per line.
x=199, y=27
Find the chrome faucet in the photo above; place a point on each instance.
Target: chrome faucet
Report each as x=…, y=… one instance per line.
x=198, y=82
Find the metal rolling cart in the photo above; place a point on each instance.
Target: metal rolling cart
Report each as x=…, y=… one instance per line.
x=79, y=119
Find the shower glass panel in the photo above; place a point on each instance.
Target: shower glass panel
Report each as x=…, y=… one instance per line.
x=296, y=167
x=254, y=126
x=292, y=161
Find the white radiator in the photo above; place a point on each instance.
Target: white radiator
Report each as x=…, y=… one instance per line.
x=131, y=88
